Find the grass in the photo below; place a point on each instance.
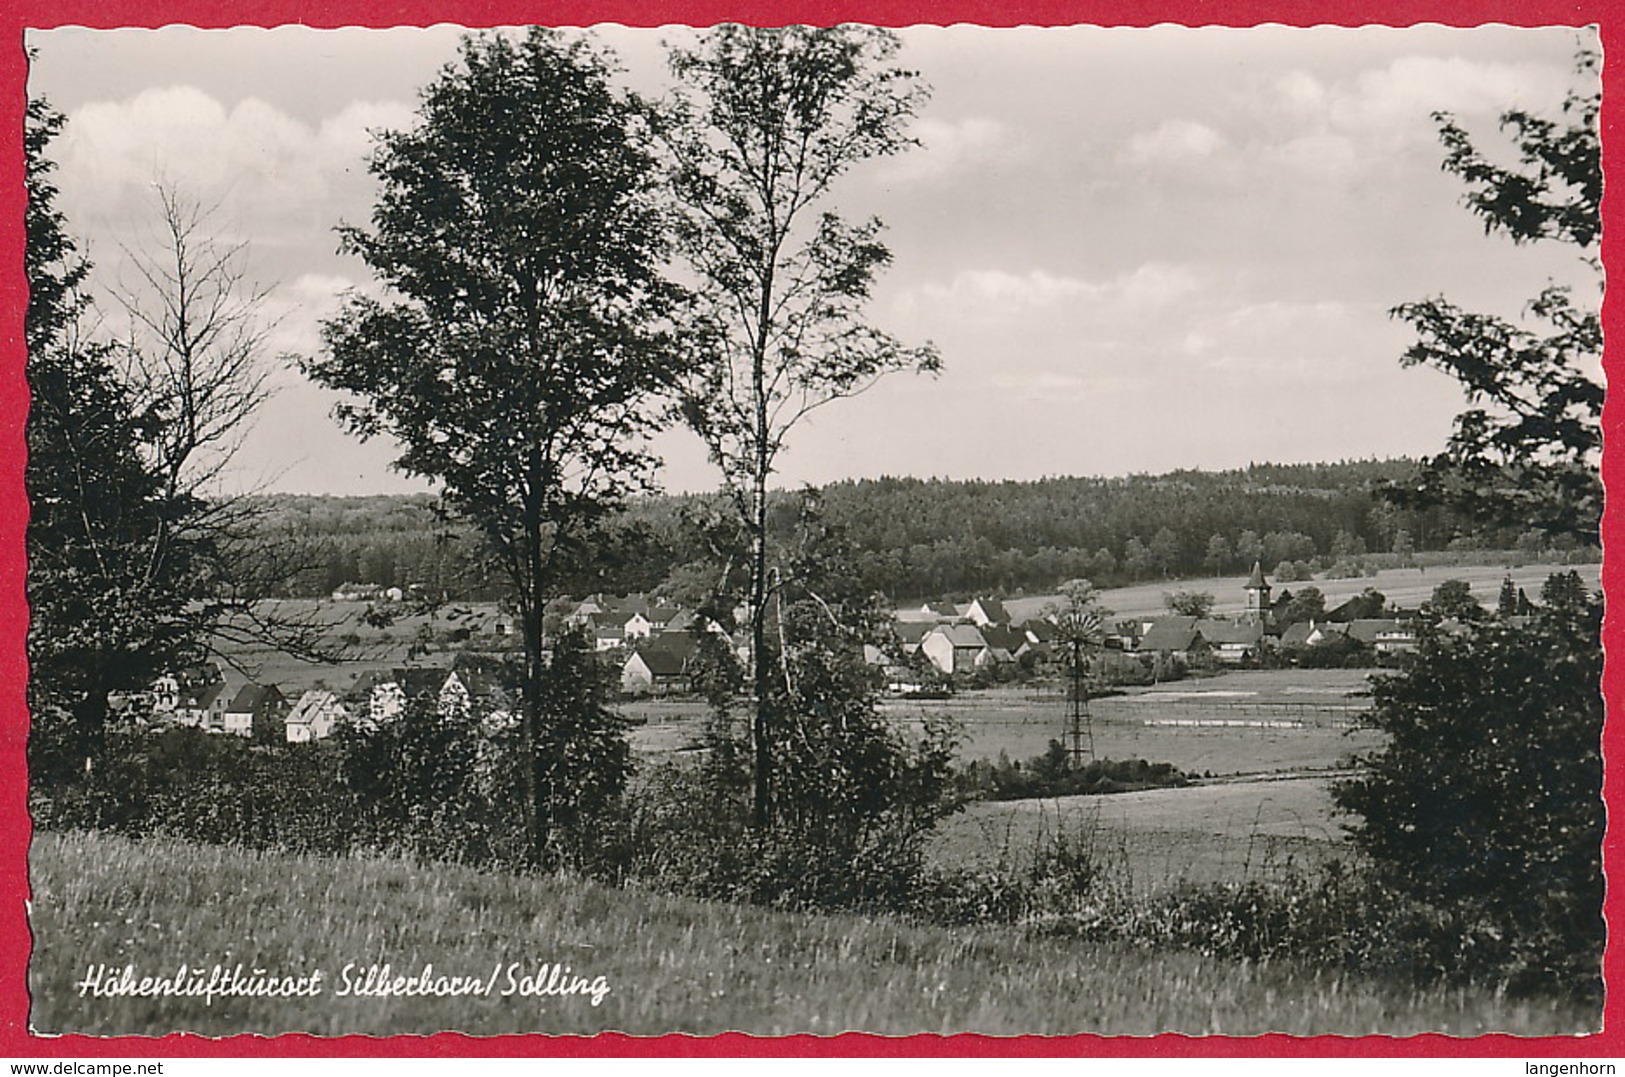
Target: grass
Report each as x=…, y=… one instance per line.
x=672, y=965
x=1159, y=837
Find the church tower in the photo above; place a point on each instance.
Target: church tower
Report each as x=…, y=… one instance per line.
x=1258, y=596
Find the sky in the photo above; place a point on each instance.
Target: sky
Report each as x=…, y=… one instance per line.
x=1136, y=249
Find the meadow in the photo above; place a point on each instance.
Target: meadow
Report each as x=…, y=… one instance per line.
x=1407, y=587
x=669, y=965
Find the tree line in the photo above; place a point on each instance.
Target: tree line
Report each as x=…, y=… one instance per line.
x=924, y=538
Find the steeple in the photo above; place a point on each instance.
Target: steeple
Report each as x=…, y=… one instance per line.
x=1258, y=596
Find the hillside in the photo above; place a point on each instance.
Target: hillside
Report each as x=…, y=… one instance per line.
x=669, y=965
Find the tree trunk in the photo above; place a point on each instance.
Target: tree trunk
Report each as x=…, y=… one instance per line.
x=762, y=807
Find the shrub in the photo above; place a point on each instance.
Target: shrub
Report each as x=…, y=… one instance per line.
x=1487, y=800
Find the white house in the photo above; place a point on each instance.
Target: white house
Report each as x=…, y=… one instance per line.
x=986, y=611
x=955, y=648
x=314, y=716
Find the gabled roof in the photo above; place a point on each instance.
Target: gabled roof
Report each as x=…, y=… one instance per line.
x=659, y=662
x=312, y=703
x=913, y=631
x=942, y=609
x=1003, y=637
x=1257, y=578
x=251, y=697
x=1039, y=630
x=1170, y=634
x=1218, y=632
x=1366, y=630
x=960, y=635
x=201, y=698
x=681, y=621
x=678, y=644
x=993, y=609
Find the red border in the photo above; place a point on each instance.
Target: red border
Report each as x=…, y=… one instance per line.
x=15, y=829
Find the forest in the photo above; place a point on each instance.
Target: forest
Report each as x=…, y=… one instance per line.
x=927, y=538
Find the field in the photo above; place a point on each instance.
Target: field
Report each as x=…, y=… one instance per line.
x=668, y=965
x=1408, y=587
x=1267, y=807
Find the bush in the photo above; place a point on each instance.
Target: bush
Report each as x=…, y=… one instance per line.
x=1486, y=802
x=1053, y=775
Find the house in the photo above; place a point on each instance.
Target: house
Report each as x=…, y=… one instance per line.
x=941, y=611
x=382, y=695
x=203, y=706
x=1041, y=636
x=986, y=611
x=637, y=626
x=1301, y=635
x=659, y=665
x=608, y=630
x=1005, y=644
x=255, y=706
x=1174, y=637
x=1384, y=635
x=314, y=716
x=465, y=687
x=1231, y=643
x=910, y=634
x=955, y=648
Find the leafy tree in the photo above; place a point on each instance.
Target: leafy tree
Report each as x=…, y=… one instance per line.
x=1189, y=603
x=519, y=354
x=1165, y=551
x=1306, y=604
x=1489, y=805
x=1368, y=603
x=1136, y=558
x=1219, y=554
x=1527, y=452
x=1249, y=547
x=764, y=122
x=1404, y=546
x=108, y=598
x=1454, y=599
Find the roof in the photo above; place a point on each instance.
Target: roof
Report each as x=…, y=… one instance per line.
x=960, y=635
x=913, y=631
x=312, y=704
x=678, y=644
x=1003, y=637
x=994, y=609
x=1366, y=630
x=1257, y=578
x=1039, y=630
x=1170, y=634
x=942, y=609
x=251, y=697
x=1220, y=632
x=659, y=662
x=1297, y=634
x=199, y=698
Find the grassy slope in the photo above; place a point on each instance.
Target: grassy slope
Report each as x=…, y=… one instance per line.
x=674, y=965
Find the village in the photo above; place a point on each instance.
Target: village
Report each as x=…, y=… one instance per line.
x=648, y=648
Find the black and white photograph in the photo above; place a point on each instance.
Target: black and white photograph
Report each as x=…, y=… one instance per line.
x=704, y=529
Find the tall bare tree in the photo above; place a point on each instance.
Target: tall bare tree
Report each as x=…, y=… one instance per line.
x=763, y=124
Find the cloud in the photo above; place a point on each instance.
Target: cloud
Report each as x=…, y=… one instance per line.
x=1291, y=340
x=1173, y=142
x=949, y=146
x=265, y=167
x=993, y=294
